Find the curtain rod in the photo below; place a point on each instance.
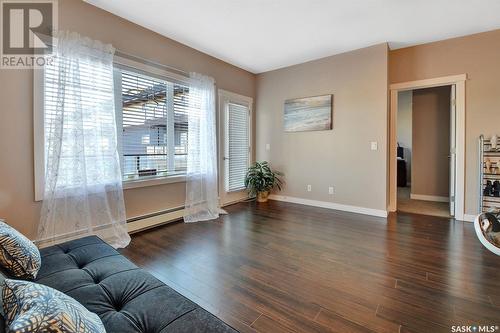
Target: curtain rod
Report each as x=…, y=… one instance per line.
x=145, y=61
x=48, y=40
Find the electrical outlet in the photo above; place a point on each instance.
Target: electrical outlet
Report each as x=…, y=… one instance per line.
x=374, y=145
x=309, y=188
x=268, y=146
x=330, y=190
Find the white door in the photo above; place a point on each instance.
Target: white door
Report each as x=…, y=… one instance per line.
x=235, y=145
x=453, y=124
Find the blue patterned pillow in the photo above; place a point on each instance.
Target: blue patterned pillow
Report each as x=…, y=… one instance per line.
x=18, y=255
x=32, y=307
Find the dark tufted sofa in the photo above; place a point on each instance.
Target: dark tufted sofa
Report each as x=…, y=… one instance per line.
x=126, y=298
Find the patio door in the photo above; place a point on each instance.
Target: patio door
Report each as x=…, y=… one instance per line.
x=235, y=148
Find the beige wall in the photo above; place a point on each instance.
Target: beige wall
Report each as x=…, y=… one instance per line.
x=341, y=157
x=431, y=141
x=16, y=113
x=405, y=128
x=476, y=55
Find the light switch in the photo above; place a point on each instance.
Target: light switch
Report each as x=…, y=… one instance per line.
x=268, y=146
x=374, y=145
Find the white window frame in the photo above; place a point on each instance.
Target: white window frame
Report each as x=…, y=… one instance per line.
x=39, y=130
x=225, y=98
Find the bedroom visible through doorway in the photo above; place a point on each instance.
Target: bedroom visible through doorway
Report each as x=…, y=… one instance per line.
x=425, y=154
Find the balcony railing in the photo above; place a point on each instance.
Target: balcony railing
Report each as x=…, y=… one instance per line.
x=139, y=166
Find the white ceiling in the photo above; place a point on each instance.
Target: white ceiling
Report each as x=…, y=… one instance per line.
x=262, y=35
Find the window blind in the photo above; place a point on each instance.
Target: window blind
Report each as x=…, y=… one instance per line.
x=238, y=146
x=153, y=124
x=65, y=111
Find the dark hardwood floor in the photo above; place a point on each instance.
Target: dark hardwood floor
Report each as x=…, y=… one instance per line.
x=279, y=267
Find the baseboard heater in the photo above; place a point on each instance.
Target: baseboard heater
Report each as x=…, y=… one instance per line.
x=140, y=223
x=134, y=224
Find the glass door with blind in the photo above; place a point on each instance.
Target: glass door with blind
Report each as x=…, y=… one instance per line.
x=235, y=139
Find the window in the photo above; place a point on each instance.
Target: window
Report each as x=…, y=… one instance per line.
x=151, y=119
x=152, y=125
x=92, y=91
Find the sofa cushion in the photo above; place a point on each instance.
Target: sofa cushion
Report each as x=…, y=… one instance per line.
x=18, y=255
x=198, y=321
x=2, y=324
x=3, y=277
x=32, y=307
x=126, y=298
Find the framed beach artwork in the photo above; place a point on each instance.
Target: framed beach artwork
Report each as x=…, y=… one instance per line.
x=308, y=114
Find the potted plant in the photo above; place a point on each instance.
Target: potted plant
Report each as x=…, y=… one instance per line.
x=260, y=179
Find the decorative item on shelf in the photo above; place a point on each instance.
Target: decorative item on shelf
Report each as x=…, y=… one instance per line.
x=496, y=188
x=487, y=164
x=260, y=179
x=493, y=142
x=488, y=189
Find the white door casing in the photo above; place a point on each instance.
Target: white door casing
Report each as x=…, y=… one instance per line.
x=459, y=82
x=452, y=153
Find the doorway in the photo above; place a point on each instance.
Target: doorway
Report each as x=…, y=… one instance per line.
x=235, y=145
x=456, y=182
x=425, y=162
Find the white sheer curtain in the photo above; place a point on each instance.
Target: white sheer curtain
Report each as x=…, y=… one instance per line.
x=83, y=185
x=202, y=200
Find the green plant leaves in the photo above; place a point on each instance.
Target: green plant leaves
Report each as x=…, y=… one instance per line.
x=261, y=178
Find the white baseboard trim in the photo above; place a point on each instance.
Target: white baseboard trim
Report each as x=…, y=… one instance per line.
x=142, y=223
x=234, y=202
x=330, y=205
x=469, y=218
x=429, y=197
